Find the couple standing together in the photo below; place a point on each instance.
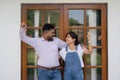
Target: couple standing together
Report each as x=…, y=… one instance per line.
x=47, y=47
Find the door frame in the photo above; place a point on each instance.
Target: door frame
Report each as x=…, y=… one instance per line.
x=63, y=29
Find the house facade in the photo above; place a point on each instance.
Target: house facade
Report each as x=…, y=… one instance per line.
x=101, y=18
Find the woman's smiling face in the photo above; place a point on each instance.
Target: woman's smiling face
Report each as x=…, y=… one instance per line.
x=69, y=39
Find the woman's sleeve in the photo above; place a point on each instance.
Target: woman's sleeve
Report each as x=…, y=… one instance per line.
x=62, y=53
x=80, y=49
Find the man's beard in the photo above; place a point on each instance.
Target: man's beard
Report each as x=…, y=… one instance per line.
x=50, y=39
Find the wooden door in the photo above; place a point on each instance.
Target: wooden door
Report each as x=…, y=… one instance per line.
x=36, y=16
x=82, y=18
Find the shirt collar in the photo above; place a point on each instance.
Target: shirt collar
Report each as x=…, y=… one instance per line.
x=43, y=38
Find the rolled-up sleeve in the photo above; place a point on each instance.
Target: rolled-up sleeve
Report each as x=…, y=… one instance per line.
x=80, y=49
x=25, y=38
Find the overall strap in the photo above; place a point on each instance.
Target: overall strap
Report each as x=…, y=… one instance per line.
x=76, y=47
x=66, y=49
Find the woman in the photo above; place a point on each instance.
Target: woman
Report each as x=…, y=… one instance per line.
x=72, y=55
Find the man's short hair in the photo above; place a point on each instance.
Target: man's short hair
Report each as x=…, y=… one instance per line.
x=48, y=26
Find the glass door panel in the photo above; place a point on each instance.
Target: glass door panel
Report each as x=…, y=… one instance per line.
x=46, y=16
x=93, y=74
x=95, y=58
x=76, y=18
x=96, y=36
x=31, y=33
x=34, y=18
x=57, y=33
x=31, y=57
x=52, y=16
x=93, y=18
x=32, y=74
x=80, y=34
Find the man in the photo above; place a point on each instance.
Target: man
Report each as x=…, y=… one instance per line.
x=46, y=48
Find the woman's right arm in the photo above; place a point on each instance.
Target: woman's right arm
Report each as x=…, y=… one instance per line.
x=89, y=50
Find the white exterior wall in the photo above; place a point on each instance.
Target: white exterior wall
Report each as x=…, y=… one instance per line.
x=10, y=50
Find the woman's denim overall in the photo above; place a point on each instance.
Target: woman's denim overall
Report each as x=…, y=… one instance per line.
x=73, y=70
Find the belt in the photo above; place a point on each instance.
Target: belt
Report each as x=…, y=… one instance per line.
x=50, y=68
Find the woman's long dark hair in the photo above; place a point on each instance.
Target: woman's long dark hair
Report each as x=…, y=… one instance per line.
x=74, y=36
